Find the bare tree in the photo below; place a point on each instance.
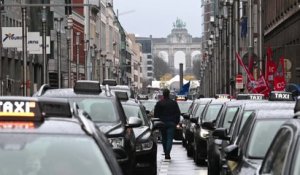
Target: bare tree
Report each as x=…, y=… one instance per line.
x=161, y=68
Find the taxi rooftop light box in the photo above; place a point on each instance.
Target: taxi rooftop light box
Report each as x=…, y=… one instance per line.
x=31, y=109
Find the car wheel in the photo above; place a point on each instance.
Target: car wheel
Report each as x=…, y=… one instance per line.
x=189, y=149
x=153, y=168
x=183, y=142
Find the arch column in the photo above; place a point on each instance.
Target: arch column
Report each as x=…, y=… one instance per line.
x=188, y=60
x=171, y=58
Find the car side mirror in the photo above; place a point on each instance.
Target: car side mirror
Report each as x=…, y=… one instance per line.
x=186, y=116
x=158, y=125
x=221, y=133
x=134, y=122
x=194, y=119
x=232, y=152
x=208, y=125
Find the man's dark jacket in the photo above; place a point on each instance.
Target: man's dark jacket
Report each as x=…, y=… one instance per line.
x=167, y=110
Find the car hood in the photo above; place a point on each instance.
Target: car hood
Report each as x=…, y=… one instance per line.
x=110, y=128
x=140, y=131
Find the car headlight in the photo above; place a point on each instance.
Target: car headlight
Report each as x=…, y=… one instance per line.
x=144, y=146
x=117, y=142
x=204, y=133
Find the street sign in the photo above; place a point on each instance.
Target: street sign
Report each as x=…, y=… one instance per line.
x=12, y=37
x=239, y=81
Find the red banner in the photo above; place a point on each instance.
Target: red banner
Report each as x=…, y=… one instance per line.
x=279, y=77
x=254, y=86
x=270, y=66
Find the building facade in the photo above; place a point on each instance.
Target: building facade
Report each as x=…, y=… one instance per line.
x=281, y=33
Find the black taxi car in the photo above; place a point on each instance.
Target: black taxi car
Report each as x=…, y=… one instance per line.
x=229, y=136
x=224, y=120
x=201, y=132
x=246, y=155
x=283, y=155
x=106, y=111
x=146, y=142
x=194, y=120
x=44, y=136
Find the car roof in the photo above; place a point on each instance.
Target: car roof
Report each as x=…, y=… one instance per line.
x=60, y=126
x=203, y=100
x=219, y=101
x=241, y=102
x=269, y=105
x=274, y=113
x=69, y=92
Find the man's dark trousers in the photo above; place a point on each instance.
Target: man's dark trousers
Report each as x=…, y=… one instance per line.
x=167, y=134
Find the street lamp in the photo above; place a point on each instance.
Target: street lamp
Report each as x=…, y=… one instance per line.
x=69, y=36
x=77, y=53
x=44, y=45
x=58, y=32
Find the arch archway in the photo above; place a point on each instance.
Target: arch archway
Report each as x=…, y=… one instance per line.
x=179, y=57
x=164, y=55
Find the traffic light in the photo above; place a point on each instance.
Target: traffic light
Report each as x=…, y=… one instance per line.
x=68, y=9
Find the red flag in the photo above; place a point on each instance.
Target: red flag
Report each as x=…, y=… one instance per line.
x=250, y=65
x=270, y=66
x=279, y=78
x=259, y=86
x=249, y=75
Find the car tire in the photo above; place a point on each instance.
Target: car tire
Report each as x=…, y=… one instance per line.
x=183, y=142
x=189, y=149
x=153, y=169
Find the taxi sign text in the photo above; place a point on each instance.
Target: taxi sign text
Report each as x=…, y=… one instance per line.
x=282, y=96
x=16, y=108
x=255, y=97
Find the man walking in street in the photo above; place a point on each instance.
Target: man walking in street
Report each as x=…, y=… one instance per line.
x=167, y=111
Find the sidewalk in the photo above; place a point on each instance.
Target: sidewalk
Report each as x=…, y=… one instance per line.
x=179, y=164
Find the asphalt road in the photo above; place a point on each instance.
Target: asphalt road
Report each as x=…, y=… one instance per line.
x=179, y=164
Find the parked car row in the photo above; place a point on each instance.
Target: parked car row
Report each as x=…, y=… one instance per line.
x=232, y=136
x=76, y=131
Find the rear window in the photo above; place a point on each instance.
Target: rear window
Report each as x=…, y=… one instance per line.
x=50, y=154
x=100, y=110
x=212, y=112
x=262, y=136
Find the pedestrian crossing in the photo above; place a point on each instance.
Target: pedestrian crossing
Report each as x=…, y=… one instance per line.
x=179, y=164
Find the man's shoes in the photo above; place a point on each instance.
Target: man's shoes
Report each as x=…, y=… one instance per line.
x=167, y=157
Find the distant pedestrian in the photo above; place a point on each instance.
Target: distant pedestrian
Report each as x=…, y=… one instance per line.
x=167, y=111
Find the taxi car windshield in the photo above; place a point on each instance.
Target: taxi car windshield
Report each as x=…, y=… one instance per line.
x=212, y=112
x=149, y=105
x=50, y=154
x=246, y=115
x=261, y=137
x=199, y=110
x=229, y=116
x=133, y=111
x=184, y=106
x=100, y=110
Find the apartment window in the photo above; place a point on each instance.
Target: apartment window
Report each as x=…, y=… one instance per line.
x=149, y=68
x=149, y=62
x=149, y=74
x=149, y=56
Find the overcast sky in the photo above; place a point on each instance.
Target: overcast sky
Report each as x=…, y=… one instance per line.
x=156, y=17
